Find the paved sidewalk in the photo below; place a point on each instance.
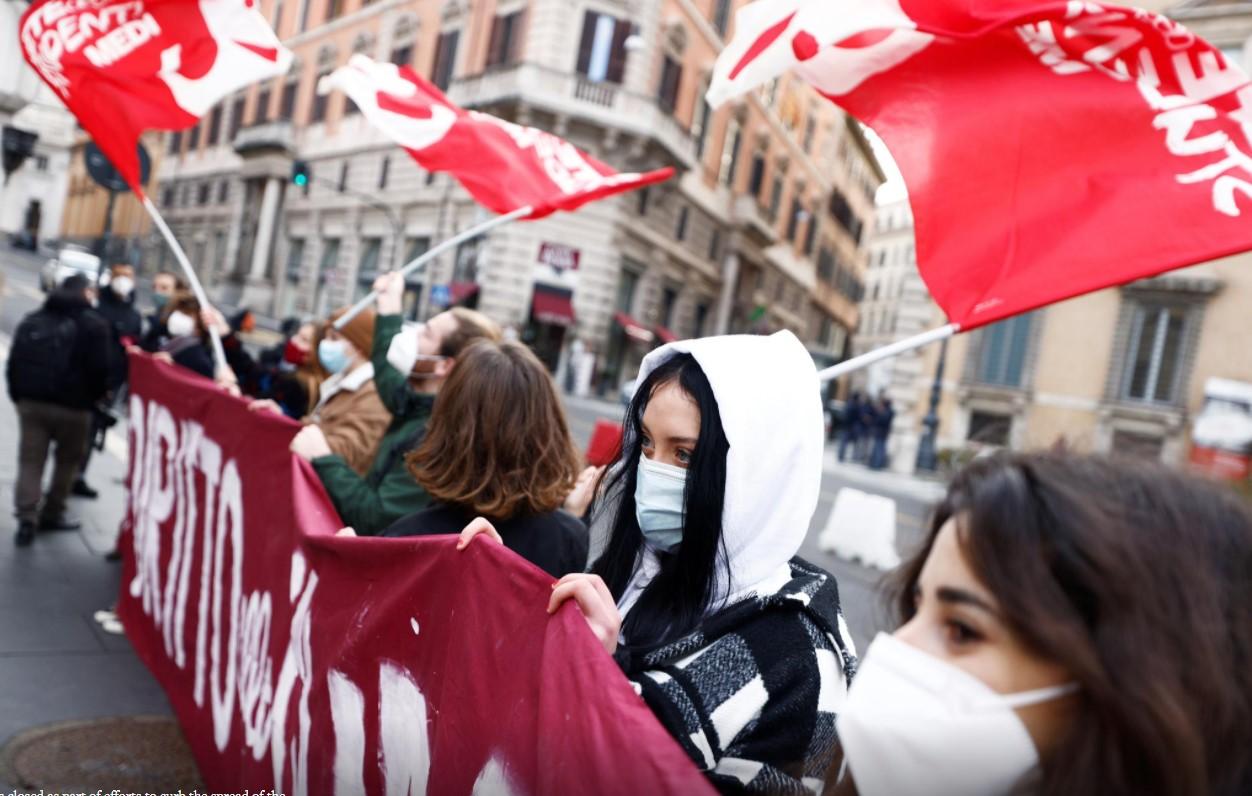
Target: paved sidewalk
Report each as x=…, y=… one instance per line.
x=55, y=662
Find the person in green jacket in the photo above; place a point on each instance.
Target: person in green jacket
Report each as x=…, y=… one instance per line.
x=388, y=492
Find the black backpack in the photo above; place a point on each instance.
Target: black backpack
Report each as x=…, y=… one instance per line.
x=42, y=356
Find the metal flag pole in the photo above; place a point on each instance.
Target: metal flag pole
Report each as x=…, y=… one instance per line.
x=890, y=350
x=429, y=254
x=219, y=354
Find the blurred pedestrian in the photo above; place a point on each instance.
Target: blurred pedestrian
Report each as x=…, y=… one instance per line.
x=853, y=426
x=165, y=284
x=186, y=338
x=884, y=416
x=1071, y=625
x=498, y=447
x=737, y=646
x=410, y=367
x=57, y=371
x=348, y=412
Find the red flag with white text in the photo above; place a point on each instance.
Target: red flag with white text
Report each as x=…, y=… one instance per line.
x=1049, y=148
x=504, y=166
x=126, y=66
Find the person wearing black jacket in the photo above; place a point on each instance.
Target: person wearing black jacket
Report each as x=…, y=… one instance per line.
x=57, y=371
x=117, y=307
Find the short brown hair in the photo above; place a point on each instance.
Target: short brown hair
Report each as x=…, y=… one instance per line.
x=471, y=326
x=183, y=301
x=497, y=443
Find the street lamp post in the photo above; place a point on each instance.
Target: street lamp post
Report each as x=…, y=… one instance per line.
x=926, y=458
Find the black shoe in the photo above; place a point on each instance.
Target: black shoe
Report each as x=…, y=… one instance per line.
x=25, y=534
x=82, y=490
x=62, y=523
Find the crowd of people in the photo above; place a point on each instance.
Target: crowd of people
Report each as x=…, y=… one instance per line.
x=1071, y=624
x=863, y=428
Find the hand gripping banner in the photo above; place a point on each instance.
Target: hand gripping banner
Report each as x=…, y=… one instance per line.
x=310, y=664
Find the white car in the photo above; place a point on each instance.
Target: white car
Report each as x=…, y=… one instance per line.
x=69, y=261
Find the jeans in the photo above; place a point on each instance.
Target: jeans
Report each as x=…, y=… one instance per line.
x=40, y=425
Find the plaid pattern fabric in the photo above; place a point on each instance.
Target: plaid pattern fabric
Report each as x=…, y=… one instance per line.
x=753, y=693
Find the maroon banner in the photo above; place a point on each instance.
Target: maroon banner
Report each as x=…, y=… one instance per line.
x=312, y=664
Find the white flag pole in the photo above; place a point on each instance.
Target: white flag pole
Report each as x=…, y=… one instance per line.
x=890, y=350
x=219, y=354
x=429, y=254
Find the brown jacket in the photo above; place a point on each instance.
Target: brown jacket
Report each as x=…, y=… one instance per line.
x=353, y=418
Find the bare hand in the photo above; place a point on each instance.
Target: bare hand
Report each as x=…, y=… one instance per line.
x=213, y=320
x=134, y=349
x=584, y=488
x=163, y=356
x=390, y=289
x=349, y=531
x=310, y=443
x=265, y=404
x=479, y=525
x=596, y=603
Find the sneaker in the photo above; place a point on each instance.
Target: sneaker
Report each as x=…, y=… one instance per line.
x=113, y=627
x=82, y=490
x=62, y=523
x=25, y=534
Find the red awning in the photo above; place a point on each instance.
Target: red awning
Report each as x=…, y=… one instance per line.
x=459, y=292
x=633, y=328
x=552, y=307
x=664, y=334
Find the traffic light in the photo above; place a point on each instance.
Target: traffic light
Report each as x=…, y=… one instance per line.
x=300, y=174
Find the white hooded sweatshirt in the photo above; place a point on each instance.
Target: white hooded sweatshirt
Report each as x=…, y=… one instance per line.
x=769, y=399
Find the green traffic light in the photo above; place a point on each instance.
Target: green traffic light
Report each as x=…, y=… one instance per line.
x=301, y=180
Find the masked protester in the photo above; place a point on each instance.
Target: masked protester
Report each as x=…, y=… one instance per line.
x=737, y=645
x=164, y=286
x=187, y=339
x=388, y=492
x=57, y=371
x=498, y=446
x=1070, y=625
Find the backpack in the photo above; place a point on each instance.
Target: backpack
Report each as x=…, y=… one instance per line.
x=42, y=356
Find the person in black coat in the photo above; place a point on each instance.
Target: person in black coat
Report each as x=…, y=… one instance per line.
x=497, y=446
x=884, y=415
x=57, y=371
x=853, y=425
x=187, y=344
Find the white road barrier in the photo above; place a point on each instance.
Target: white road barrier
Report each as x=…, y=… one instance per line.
x=862, y=527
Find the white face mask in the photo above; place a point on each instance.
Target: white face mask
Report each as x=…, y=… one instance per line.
x=915, y=724
x=180, y=324
x=402, y=354
x=122, y=286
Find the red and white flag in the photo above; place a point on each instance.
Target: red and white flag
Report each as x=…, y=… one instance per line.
x=504, y=166
x=126, y=66
x=1049, y=148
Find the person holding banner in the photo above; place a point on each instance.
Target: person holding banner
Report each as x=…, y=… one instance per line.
x=1072, y=624
x=498, y=446
x=738, y=646
x=407, y=382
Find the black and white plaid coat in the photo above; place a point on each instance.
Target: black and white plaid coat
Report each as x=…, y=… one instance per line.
x=753, y=693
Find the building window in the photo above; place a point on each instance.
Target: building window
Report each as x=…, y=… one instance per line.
x=671, y=79
x=304, y=16
x=715, y=244
x=642, y=196
x=287, y=103
x=318, y=112
x=223, y=189
x=295, y=258
x=602, y=48
x=721, y=16
x=700, y=127
x=793, y=218
x=445, y=59
x=214, y=135
x=1155, y=356
x=168, y=196
x=989, y=428
x=756, y=178
x=775, y=195
x=382, y=172
x=41, y=162
x=1138, y=446
x=680, y=230
x=417, y=247
x=262, y=114
x=202, y=193
x=193, y=138
x=367, y=270
x=330, y=257
x=502, y=48
x=701, y=316
x=333, y=9
x=626, y=287
x=730, y=153
x=465, y=267
x=1001, y=356
x=810, y=235
x=842, y=212
x=669, y=297
x=343, y=176
x=349, y=107
x=236, y=118
x=826, y=266
x=402, y=55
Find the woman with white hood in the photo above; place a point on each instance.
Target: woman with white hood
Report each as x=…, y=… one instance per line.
x=736, y=645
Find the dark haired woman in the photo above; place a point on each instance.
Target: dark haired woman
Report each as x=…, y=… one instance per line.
x=498, y=447
x=1072, y=625
x=187, y=344
x=738, y=647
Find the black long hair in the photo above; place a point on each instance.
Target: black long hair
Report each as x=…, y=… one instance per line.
x=674, y=602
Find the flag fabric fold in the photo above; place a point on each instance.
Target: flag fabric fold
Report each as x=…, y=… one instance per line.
x=1049, y=148
x=126, y=66
x=504, y=166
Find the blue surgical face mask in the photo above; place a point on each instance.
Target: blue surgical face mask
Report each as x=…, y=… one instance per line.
x=333, y=354
x=158, y=301
x=659, y=491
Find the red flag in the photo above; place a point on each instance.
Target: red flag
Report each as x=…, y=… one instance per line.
x=126, y=66
x=1049, y=148
x=504, y=166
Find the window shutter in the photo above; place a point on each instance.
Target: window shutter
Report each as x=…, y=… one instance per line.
x=617, y=51
x=584, y=45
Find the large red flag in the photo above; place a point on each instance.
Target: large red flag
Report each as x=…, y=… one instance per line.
x=504, y=166
x=1049, y=148
x=126, y=66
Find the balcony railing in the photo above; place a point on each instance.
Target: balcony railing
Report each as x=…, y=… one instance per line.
x=574, y=95
x=267, y=135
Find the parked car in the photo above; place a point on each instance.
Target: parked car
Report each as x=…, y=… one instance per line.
x=70, y=260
